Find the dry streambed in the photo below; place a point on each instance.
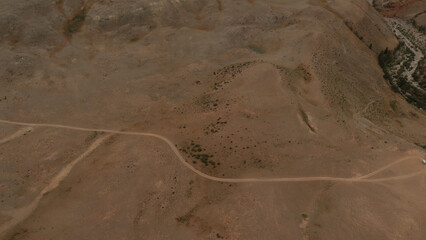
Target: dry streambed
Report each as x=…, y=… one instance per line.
x=404, y=66
x=415, y=42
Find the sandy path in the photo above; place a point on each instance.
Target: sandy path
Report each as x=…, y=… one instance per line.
x=234, y=180
x=18, y=215
x=385, y=167
x=16, y=134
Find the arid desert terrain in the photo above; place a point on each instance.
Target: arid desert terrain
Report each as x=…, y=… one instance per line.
x=212, y=119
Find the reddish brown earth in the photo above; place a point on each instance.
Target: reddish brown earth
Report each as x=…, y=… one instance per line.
x=273, y=89
x=413, y=10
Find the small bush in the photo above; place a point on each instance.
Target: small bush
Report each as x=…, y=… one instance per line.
x=393, y=106
x=75, y=23
x=256, y=49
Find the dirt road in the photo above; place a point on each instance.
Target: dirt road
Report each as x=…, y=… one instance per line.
x=234, y=180
x=18, y=215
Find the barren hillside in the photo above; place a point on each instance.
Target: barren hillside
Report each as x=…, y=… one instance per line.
x=202, y=119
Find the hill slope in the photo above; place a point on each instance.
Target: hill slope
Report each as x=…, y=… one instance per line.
x=244, y=89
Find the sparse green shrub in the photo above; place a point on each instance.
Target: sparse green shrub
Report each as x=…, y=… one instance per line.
x=385, y=57
x=256, y=49
x=74, y=24
x=393, y=105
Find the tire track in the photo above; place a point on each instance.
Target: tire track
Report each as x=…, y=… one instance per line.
x=19, y=215
x=19, y=133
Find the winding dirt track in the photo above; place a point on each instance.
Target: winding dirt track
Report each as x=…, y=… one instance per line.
x=20, y=214
x=232, y=180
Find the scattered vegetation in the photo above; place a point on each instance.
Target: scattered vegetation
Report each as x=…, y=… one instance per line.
x=302, y=71
x=361, y=38
x=225, y=72
x=189, y=190
x=420, y=28
x=214, y=127
x=419, y=75
x=185, y=218
x=207, y=102
x=198, y=153
x=394, y=64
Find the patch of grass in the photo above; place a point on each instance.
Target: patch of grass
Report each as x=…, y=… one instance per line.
x=74, y=24
x=393, y=105
x=256, y=49
x=185, y=218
